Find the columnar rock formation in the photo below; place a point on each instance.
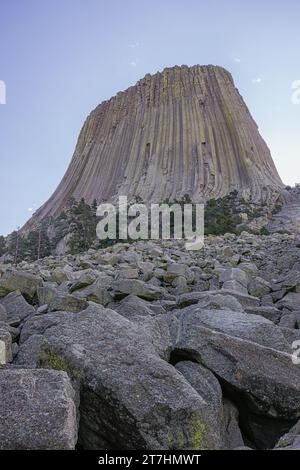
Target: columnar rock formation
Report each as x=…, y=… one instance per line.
x=185, y=130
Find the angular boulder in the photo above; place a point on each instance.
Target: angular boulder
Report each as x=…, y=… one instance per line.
x=268, y=379
x=23, y=281
x=17, y=308
x=130, y=398
x=37, y=410
x=68, y=303
x=139, y=288
x=242, y=325
x=193, y=297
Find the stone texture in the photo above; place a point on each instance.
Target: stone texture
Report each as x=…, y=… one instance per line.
x=124, y=361
x=129, y=396
x=68, y=303
x=232, y=436
x=139, y=288
x=194, y=297
x=37, y=410
x=14, y=280
x=17, y=309
x=242, y=325
x=3, y=313
x=272, y=387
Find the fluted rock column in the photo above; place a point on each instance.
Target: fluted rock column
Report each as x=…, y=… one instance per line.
x=185, y=130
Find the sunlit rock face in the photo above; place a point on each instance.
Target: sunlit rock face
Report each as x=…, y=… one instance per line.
x=185, y=130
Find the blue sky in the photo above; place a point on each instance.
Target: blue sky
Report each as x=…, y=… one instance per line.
x=60, y=58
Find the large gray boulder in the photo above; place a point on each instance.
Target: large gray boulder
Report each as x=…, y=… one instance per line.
x=268, y=312
x=219, y=301
x=208, y=387
x=130, y=398
x=28, y=352
x=258, y=287
x=38, y=324
x=46, y=293
x=23, y=281
x=242, y=325
x=234, y=279
x=175, y=270
x=139, y=288
x=97, y=292
x=17, y=308
x=267, y=379
x=191, y=298
x=37, y=410
x=290, y=302
x=151, y=318
x=68, y=303
x=132, y=307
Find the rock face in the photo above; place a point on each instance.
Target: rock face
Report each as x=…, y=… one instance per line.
x=185, y=130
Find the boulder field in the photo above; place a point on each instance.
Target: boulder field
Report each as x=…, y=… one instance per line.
x=150, y=346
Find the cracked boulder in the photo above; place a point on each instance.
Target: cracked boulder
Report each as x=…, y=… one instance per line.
x=263, y=382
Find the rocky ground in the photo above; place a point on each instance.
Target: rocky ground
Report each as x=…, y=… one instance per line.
x=288, y=218
x=149, y=346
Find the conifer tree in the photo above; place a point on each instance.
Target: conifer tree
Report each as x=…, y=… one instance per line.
x=2, y=246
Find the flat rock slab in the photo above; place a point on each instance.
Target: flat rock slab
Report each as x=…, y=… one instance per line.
x=37, y=410
x=191, y=298
x=241, y=325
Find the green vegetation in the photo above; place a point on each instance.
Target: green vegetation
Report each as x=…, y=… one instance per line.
x=226, y=215
x=83, y=223
x=2, y=246
x=264, y=231
x=284, y=443
x=198, y=433
x=222, y=215
x=30, y=247
x=77, y=226
x=51, y=359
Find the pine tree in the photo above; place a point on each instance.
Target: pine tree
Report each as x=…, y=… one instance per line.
x=16, y=246
x=83, y=223
x=36, y=244
x=2, y=246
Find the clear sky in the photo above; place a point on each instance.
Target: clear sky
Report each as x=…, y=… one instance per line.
x=60, y=58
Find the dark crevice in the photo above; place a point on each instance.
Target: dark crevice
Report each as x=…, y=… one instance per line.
x=258, y=430
x=180, y=356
